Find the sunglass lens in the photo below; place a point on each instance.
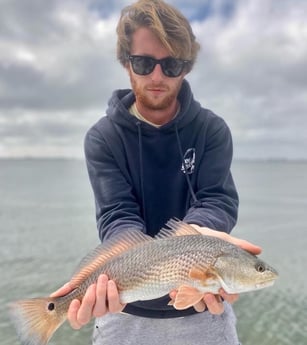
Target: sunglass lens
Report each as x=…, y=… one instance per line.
x=143, y=64
x=172, y=67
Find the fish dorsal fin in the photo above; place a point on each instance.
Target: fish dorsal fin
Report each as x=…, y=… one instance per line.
x=177, y=227
x=105, y=251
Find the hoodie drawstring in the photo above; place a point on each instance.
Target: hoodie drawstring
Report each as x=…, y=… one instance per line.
x=185, y=166
x=139, y=125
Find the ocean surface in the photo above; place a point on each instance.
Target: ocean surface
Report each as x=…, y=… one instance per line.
x=47, y=225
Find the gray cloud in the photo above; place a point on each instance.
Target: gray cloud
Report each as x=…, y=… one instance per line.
x=58, y=69
x=253, y=74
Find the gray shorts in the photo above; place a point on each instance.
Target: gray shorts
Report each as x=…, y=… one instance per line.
x=199, y=329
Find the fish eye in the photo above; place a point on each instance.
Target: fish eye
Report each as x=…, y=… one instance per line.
x=260, y=267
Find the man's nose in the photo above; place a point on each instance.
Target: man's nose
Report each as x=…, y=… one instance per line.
x=157, y=73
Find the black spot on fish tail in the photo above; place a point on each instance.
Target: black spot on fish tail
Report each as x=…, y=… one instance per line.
x=51, y=306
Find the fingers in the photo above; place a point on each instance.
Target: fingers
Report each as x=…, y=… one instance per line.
x=230, y=298
x=214, y=304
x=107, y=297
x=85, y=311
x=173, y=294
x=248, y=246
x=101, y=305
x=99, y=299
x=72, y=314
x=113, y=298
x=200, y=306
x=64, y=290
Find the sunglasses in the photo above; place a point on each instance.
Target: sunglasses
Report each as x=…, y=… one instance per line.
x=144, y=65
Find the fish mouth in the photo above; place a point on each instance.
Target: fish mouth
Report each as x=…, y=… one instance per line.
x=266, y=283
x=249, y=287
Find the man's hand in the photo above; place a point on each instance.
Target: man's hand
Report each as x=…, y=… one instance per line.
x=248, y=246
x=100, y=298
x=214, y=302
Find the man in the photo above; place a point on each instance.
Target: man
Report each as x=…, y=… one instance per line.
x=157, y=155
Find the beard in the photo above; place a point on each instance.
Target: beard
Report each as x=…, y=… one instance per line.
x=154, y=103
x=151, y=102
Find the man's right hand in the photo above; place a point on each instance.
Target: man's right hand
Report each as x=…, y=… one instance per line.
x=100, y=298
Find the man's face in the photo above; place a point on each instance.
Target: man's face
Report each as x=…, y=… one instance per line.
x=155, y=92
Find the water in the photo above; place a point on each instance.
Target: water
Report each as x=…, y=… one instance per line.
x=47, y=224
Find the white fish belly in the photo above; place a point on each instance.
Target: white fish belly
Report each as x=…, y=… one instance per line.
x=146, y=293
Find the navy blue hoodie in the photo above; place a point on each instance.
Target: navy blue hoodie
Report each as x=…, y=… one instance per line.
x=142, y=175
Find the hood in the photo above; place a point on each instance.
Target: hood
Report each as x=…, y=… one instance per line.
x=121, y=100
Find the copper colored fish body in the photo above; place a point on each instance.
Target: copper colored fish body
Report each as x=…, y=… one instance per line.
x=144, y=269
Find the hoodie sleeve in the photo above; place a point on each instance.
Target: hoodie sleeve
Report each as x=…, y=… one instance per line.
x=116, y=206
x=217, y=199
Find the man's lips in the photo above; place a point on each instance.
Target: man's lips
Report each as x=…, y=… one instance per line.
x=156, y=89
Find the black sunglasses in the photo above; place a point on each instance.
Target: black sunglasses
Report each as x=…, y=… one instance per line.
x=144, y=65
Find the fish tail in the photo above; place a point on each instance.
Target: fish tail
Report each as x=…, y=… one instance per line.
x=37, y=319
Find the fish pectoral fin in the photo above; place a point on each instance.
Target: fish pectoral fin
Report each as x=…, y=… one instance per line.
x=197, y=273
x=186, y=297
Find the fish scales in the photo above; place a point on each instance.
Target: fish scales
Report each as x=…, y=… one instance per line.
x=153, y=269
x=144, y=268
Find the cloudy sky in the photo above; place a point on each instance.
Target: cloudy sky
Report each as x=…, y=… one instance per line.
x=58, y=69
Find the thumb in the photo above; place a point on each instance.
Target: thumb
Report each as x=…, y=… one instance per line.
x=64, y=290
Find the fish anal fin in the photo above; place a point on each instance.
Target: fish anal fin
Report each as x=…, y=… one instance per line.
x=186, y=297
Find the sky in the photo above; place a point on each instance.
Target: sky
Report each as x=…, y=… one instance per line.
x=58, y=69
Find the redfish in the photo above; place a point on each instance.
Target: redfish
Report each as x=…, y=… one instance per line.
x=146, y=268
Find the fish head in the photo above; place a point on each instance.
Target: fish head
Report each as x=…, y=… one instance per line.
x=241, y=271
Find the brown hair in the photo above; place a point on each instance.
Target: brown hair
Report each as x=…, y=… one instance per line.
x=170, y=26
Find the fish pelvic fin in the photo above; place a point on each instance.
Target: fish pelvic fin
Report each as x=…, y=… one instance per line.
x=187, y=296
x=36, y=319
